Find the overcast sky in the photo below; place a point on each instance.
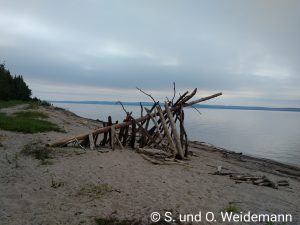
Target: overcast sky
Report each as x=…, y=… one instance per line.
x=102, y=50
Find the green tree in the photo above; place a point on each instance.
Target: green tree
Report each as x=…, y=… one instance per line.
x=21, y=90
x=12, y=88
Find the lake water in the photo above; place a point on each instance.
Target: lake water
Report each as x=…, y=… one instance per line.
x=267, y=134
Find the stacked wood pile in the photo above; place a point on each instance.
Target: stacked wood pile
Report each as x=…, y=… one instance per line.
x=256, y=180
x=161, y=127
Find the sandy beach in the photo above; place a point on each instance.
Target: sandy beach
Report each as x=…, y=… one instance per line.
x=77, y=186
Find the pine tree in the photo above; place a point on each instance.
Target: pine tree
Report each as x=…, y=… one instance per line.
x=12, y=88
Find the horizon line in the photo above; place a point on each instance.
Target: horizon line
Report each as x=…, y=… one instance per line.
x=146, y=103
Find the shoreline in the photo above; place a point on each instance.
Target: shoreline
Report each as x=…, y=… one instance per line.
x=204, y=106
x=223, y=150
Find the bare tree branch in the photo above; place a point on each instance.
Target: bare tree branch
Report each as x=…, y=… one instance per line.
x=142, y=109
x=146, y=94
x=196, y=109
x=181, y=97
x=174, y=92
x=119, y=102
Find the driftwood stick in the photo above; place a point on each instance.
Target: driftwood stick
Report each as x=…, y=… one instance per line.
x=150, y=138
x=166, y=131
x=119, y=102
x=188, y=97
x=155, y=123
x=183, y=134
x=118, y=141
x=180, y=98
x=152, y=108
x=104, y=140
x=126, y=129
x=133, y=134
x=125, y=135
x=176, y=137
x=79, y=144
x=121, y=133
x=109, y=124
x=142, y=109
x=85, y=141
x=181, y=125
x=126, y=124
x=146, y=128
x=146, y=94
x=186, y=143
x=143, y=139
x=92, y=143
x=112, y=137
x=96, y=136
x=144, y=132
x=174, y=92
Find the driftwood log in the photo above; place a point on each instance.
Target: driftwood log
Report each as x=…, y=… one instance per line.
x=256, y=180
x=176, y=137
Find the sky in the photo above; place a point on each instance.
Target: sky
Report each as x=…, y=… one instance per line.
x=102, y=50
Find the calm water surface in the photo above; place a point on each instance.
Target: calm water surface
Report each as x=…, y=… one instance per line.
x=265, y=134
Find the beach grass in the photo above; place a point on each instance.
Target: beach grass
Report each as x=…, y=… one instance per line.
x=11, y=103
x=27, y=122
x=31, y=104
x=95, y=191
x=232, y=208
x=31, y=114
x=35, y=104
x=39, y=152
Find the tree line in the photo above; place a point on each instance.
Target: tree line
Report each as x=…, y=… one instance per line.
x=12, y=87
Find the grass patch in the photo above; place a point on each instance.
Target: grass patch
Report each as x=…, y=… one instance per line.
x=95, y=191
x=38, y=152
x=16, y=159
x=232, y=208
x=56, y=184
x=33, y=104
x=31, y=114
x=11, y=103
x=27, y=122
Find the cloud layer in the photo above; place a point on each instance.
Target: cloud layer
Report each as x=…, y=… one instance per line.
x=247, y=49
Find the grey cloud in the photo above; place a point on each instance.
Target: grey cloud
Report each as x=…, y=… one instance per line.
x=238, y=46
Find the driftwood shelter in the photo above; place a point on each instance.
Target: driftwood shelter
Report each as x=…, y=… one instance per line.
x=159, y=130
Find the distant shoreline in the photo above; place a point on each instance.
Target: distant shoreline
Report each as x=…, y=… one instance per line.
x=259, y=108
